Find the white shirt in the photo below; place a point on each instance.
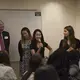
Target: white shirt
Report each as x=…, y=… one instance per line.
x=7, y=73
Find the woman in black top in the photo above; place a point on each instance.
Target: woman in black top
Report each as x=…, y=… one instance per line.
x=69, y=42
x=38, y=44
x=71, y=45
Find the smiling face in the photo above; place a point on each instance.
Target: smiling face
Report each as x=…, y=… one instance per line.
x=25, y=35
x=38, y=36
x=66, y=33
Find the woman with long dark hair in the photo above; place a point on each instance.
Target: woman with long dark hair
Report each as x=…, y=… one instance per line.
x=71, y=45
x=38, y=44
x=24, y=49
x=70, y=42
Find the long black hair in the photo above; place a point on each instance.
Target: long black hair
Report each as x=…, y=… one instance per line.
x=42, y=38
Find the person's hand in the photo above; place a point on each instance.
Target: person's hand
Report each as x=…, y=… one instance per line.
x=40, y=45
x=39, y=40
x=70, y=49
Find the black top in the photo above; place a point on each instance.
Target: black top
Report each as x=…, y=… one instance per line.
x=73, y=56
x=6, y=38
x=67, y=46
x=20, y=50
x=34, y=46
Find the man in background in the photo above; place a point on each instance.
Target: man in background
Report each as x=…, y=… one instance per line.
x=4, y=38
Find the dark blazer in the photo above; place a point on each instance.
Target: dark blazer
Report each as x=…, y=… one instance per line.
x=6, y=38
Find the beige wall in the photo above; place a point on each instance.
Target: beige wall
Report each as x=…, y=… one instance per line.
x=56, y=14
x=78, y=19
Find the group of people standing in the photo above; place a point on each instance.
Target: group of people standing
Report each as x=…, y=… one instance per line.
x=29, y=45
x=62, y=59
x=65, y=59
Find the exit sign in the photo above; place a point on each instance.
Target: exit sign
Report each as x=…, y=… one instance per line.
x=37, y=13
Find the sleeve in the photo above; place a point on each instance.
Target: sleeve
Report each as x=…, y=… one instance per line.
x=20, y=50
x=45, y=44
x=10, y=74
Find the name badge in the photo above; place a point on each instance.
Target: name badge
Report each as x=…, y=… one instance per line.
x=6, y=37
